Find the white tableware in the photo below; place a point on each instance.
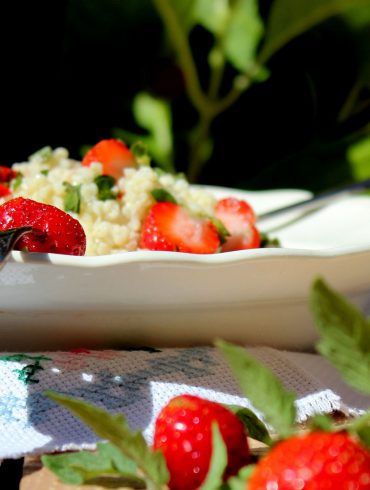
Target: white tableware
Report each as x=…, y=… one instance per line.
x=259, y=296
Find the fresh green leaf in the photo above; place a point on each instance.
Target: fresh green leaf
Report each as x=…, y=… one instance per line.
x=218, y=464
x=358, y=156
x=84, y=467
x=288, y=19
x=162, y=195
x=17, y=181
x=361, y=428
x=72, y=198
x=243, y=35
x=344, y=335
x=261, y=387
x=255, y=428
x=238, y=482
x=321, y=422
x=214, y=15
x=105, y=184
x=114, y=428
x=154, y=115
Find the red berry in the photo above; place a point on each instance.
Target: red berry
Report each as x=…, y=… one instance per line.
x=113, y=155
x=7, y=174
x=315, y=461
x=239, y=219
x=4, y=190
x=183, y=432
x=171, y=228
x=54, y=230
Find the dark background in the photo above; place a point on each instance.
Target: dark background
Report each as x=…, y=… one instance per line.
x=69, y=71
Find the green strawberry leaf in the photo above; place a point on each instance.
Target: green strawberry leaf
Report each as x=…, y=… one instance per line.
x=344, y=335
x=218, y=463
x=107, y=464
x=162, y=195
x=238, y=482
x=72, y=198
x=361, y=428
x=321, y=422
x=262, y=388
x=114, y=428
x=255, y=428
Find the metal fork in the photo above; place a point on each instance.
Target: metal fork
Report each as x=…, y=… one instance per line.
x=317, y=201
x=8, y=240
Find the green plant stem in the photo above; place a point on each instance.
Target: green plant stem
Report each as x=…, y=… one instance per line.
x=208, y=105
x=181, y=44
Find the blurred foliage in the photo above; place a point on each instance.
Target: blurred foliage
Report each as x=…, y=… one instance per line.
x=243, y=93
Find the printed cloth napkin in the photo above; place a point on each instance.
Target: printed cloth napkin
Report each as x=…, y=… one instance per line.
x=138, y=383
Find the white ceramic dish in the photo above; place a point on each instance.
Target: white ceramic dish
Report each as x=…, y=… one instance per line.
x=161, y=298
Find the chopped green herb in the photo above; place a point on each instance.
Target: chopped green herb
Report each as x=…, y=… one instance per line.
x=140, y=151
x=72, y=198
x=268, y=242
x=222, y=231
x=44, y=172
x=161, y=195
x=105, y=184
x=43, y=154
x=17, y=181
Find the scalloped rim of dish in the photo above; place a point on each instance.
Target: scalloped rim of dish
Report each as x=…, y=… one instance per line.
x=145, y=256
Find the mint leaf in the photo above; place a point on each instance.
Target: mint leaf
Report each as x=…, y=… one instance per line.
x=218, y=463
x=255, y=428
x=222, y=231
x=239, y=481
x=344, y=335
x=261, y=387
x=243, y=34
x=161, y=195
x=114, y=428
x=360, y=427
x=72, y=198
x=87, y=467
x=321, y=422
x=268, y=242
x=105, y=184
x=154, y=115
x=17, y=181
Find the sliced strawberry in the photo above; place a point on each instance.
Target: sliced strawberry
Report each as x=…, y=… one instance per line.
x=4, y=190
x=7, y=174
x=113, y=155
x=170, y=227
x=239, y=219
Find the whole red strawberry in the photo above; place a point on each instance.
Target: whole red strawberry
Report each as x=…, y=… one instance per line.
x=183, y=432
x=169, y=227
x=315, y=461
x=54, y=230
